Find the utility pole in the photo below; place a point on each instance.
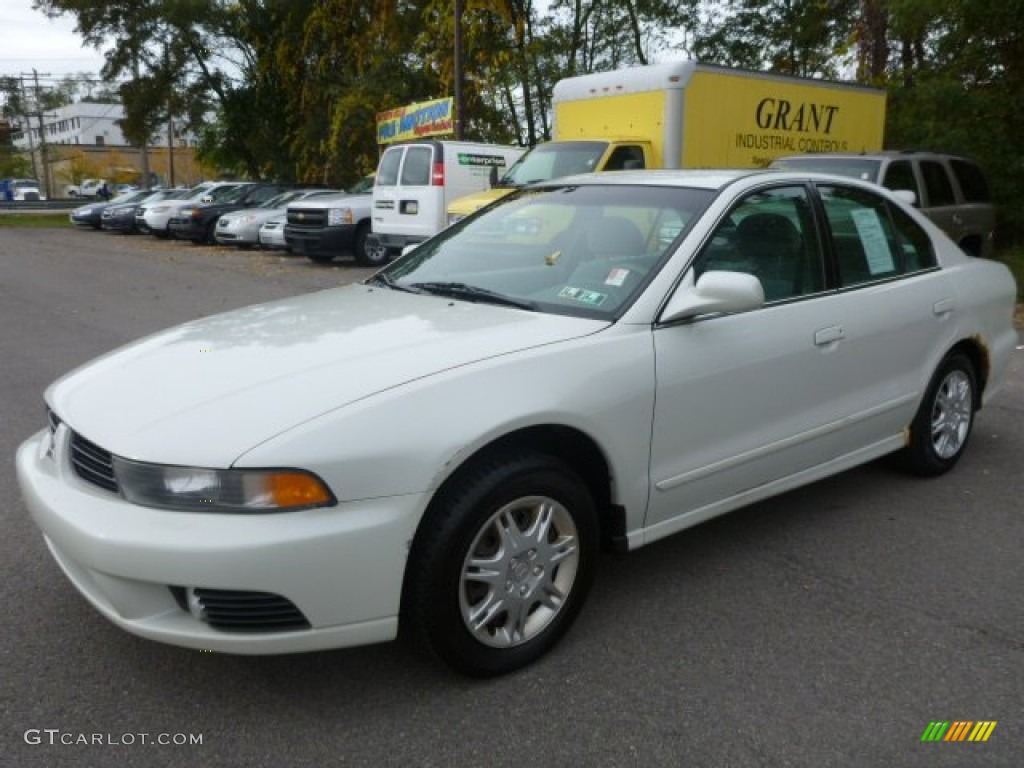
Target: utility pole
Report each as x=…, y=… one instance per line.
x=47, y=184
x=457, y=66
x=28, y=127
x=170, y=146
x=144, y=149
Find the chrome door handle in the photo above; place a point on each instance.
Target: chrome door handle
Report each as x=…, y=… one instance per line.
x=829, y=335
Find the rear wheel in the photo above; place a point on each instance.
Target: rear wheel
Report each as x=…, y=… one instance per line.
x=369, y=252
x=502, y=565
x=942, y=426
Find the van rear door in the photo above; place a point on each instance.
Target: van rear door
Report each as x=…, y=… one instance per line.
x=408, y=198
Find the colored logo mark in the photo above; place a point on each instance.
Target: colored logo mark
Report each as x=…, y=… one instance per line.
x=958, y=730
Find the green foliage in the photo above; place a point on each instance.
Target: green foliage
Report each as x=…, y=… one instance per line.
x=290, y=89
x=57, y=219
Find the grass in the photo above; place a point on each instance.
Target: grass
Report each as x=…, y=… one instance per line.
x=35, y=220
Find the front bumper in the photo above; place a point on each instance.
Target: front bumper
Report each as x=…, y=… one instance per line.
x=306, y=240
x=341, y=566
x=187, y=229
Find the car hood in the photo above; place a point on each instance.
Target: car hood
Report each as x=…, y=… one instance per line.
x=474, y=202
x=206, y=392
x=331, y=201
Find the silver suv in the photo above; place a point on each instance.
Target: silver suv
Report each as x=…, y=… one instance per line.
x=949, y=190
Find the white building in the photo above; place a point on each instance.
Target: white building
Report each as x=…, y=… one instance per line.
x=90, y=123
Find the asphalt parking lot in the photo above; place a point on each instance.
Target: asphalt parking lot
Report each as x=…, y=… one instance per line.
x=825, y=627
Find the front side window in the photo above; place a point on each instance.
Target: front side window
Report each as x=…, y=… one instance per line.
x=872, y=239
x=575, y=250
x=626, y=159
x=771, y=235
x=900, y=175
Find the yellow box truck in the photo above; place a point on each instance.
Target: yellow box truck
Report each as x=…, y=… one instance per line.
x=690, y=115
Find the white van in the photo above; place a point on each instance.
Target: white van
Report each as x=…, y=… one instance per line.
x=416, y=182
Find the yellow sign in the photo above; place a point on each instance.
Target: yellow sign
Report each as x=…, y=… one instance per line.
x=414, y=121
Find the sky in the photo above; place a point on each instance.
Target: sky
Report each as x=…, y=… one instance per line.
x=28, y=39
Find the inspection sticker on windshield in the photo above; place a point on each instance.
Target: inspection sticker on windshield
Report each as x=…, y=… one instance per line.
x=617, y=277
x=583, y=296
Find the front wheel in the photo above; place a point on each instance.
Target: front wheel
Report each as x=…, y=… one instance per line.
x=942, y=426
x=502, y=564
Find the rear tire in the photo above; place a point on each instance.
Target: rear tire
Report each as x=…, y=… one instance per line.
x=501, y=564
x=370, y=253
x=942, y=426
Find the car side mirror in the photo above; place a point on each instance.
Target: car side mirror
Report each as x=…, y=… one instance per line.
x=492, y=176
x=715, y=292
x=905, y=196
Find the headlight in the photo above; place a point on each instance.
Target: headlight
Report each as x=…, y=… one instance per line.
x=85, y=212
x=185, y=212
x=194, y=489
x=455, y=217
x=338, y=216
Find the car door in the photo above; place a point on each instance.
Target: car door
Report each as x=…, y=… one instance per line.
x=746, y=399
x=939, y=202
x=893, y=303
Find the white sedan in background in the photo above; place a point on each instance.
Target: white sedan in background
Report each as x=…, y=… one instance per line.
x=272, y=233
x=601, y=360
x=242, y=228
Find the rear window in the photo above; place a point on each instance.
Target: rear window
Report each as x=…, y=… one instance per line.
x=387, y=173
x=416, y=168
x=972, y=181
x=864, y=169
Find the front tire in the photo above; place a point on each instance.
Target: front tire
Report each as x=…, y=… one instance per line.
x=942, y=426
x=502, y=564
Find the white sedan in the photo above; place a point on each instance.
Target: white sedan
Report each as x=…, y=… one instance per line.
x=601, y=361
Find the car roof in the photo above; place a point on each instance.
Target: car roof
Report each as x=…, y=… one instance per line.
x=703, y=179
x=882, y=154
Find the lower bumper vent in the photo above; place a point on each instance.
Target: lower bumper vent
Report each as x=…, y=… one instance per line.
x=237, y=611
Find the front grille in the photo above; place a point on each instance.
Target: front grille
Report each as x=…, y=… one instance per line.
x=92, y=464
x=307, y=217
x=237, y=611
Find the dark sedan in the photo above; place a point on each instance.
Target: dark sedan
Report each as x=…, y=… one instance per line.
x=120, y=217
x=198, y=222
x=91, y=214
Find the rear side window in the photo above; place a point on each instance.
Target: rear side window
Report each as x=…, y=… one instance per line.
x=972, y=181
x=937, y=183
x=873, y=240
x=416, y=168
x=387, y=174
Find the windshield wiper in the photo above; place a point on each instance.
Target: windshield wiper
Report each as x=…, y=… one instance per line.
x=473, y=293
x=382, y=278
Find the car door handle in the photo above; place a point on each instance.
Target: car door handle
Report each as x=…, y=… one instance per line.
x=827, y=336
x=943, y=307
x=958, y=220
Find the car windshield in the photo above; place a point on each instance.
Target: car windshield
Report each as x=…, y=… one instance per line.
x=230, y=194
x=576, y=250
x=861, y=168
x=554, y=160
x=363, y=186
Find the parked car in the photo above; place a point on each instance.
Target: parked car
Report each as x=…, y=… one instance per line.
x=154, y=219
x=20, y=189
x=242, y=228
x=121, y=216
x=951, y=191
x=88, y=188
x=272, y=234
x=326, y=227
x=198, y=222
x=598, y=360
x=91, y=214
